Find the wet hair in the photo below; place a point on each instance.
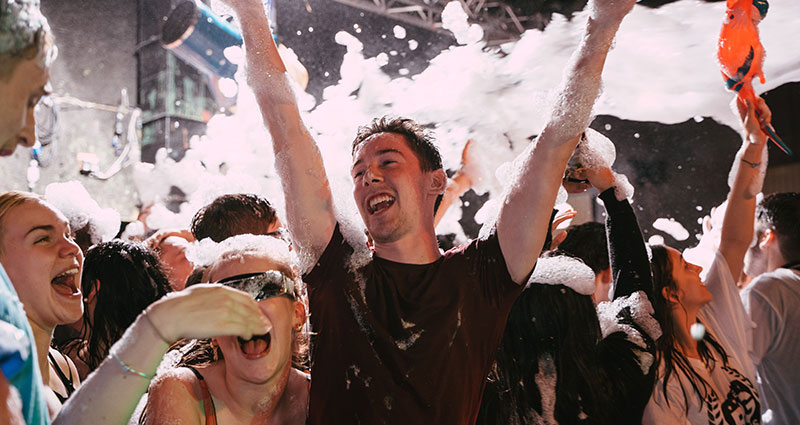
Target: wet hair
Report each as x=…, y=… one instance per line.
x=419, y=140
x=231, y=215
x=674, y=361
x=554, y=321
x=24, y=35
x=780, y=212
x=130, y=279
x=589, y=243
x=11, y=200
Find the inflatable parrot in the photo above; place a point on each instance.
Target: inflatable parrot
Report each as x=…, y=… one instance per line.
x=741, y=54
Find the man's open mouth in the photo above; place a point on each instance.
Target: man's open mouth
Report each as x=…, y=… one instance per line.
x=255, y=347
x=379, y=203
x=66, y=283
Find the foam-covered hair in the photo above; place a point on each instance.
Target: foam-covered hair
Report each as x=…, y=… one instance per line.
x=20, y=21
x=564, y=270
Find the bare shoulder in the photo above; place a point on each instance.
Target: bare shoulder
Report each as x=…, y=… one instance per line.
x=295, y=397
x=174, y=397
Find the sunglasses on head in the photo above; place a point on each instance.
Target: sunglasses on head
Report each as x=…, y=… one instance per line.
x=263, y=285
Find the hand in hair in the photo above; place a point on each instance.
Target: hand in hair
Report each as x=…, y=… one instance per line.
x=205, y=311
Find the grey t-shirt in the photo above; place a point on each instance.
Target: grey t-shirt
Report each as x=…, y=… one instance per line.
x=773, y=302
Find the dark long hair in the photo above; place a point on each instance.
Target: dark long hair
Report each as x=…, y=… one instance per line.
x=673, y=359
x=130, y=279
x=554, y=321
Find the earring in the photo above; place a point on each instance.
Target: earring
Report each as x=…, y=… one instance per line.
x=299, y=327
x=214, y=351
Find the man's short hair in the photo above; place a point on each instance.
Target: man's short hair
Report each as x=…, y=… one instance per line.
x=587, y=242
x=24, y=35
x=231, y=215
x=780, y=212
x=419, y=140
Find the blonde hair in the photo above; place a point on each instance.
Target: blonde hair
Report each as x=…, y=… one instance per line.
x=11, y=200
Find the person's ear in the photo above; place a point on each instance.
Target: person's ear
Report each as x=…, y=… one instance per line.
x=299, y=316
x=767, y=238
x=670, y=295
x=438, y=181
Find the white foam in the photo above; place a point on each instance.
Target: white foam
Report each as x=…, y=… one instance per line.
x=399, y=32
x=563, y=270
x=642, y=314
x=645, y=79
x=672, y=228
x=72, y=199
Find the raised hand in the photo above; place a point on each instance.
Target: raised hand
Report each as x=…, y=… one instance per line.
x=207, y=310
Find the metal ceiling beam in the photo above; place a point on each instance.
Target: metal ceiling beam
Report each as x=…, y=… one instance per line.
x=500, y=22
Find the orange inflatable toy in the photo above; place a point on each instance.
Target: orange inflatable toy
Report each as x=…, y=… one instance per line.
x=741, y=54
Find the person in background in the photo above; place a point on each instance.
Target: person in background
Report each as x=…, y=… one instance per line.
x=588, y=242
x=171, y=246
x=772, y=301
x=564, y=361
x=120, y=280
x=236, y=214
x=705, y=373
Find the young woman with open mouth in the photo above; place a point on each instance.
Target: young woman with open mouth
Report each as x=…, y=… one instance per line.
x=44, y=265
x=229, y=380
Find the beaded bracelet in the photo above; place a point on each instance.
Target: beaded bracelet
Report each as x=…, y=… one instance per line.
x=751, y=164
x=129, y=369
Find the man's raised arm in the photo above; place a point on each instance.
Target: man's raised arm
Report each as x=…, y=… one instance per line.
x=309, y=203
x=522, y=222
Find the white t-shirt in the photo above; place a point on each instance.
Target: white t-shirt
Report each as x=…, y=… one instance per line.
x=733, y=398
x=773, y=301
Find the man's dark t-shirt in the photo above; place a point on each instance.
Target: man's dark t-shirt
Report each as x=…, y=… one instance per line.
x=404, y=343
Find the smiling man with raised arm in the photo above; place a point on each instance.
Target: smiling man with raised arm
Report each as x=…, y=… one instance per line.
x=407, y=334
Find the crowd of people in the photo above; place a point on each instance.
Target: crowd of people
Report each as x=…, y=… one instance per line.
x=321, y=322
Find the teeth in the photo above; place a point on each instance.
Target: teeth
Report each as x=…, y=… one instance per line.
x=378, y=199
x=70, y=272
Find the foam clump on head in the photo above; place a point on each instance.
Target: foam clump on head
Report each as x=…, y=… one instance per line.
x=20, y=20
x=207, y=252
x=563, y=270
x=72, y=199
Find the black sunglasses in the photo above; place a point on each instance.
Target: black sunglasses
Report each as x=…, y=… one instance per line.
x=262, y=285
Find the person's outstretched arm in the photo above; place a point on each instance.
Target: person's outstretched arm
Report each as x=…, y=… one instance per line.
x=630, y=267
x=737, y=224
x=521, y=224
x=110, y=393
x=309, y=203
